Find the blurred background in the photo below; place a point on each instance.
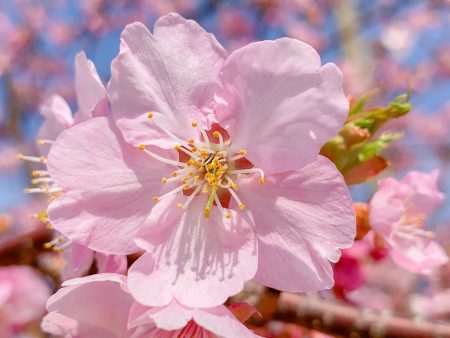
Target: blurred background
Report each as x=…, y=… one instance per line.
x=389, y=47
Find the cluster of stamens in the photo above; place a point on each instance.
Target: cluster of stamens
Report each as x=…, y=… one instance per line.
x=43, y=184
x=211, y=169
x=411, y=225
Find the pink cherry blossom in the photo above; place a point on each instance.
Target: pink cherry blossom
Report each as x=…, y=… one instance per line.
x=227, y=147
x=92, y=101
x=23, y=294
x=101, y=306
x=398, y=210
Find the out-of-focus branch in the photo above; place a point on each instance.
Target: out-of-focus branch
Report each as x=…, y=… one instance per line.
x=351, y=322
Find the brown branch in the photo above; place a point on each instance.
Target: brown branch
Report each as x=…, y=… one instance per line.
x=351, y=322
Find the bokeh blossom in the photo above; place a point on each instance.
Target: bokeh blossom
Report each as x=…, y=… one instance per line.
x=398, y=210
x=23, y=294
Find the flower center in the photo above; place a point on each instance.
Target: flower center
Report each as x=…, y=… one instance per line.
x=205, y=166
x=411, y=224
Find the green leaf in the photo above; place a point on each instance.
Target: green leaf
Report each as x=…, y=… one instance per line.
x=373, y=148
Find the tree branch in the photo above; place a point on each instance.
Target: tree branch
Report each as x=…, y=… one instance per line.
x=351, y=322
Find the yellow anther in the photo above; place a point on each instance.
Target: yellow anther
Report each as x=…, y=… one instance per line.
x=241, y=206
x=155, y=198
x=196, y=178
x=183, y=180
x=203, y=152
x=216, y=134
x=141, y=147
x=47, y=245
x=262, y=181
x=20, y=157
x=174, y=174
x=164, y=180
x=228, y=215
x=179, y=205
x=205, y=189
x=201, y=169
x=242, y=152
x=191, y=141
x=186, y=187
x=194, y=124
x=234, y=186
x=49, y=226
x=194, y=149
x=40, y=142
x=42, y=159
x=191, y=174
x=177, y=147
x=150, y=115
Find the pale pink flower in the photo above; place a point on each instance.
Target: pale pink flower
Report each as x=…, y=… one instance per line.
x=23, y=294
x=92, y=101
x=101, y=306
x=398, y=210
x=248, y=195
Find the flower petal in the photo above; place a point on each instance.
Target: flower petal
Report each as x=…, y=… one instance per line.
x=302, y=218
x=58, y=117
x=171, y=71
x=189, y=255
x=279, y=104
x=98, y=302
x=222, y=322
x=107, y=186
x=78, y=259
x=417, y=254
x=90, y=91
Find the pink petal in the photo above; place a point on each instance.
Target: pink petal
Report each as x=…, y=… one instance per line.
x=302, y=218
x=279, y=104
x=171, y=72
x=58, y=117
x=98, y=302
x=111, y=263
x=385, y=208
x=220, y=321
x=89, y=89
x=417, y=254
x=107, y=186
x=24, y=292
x=78, y=260
x=189, y=255
x=426, y=196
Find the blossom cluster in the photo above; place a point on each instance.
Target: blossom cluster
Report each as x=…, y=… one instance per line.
x=196, y=170
x=206, y=164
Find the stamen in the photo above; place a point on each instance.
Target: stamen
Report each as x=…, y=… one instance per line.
x=205, y=137
x=236, y=198
x=168, y=132
x=40, y=159
x=221, y=208
x=44, y=141
x=39, y=173
x=220, y=137
x=250, y=171
x=160, y=158
x=190, y=198
x=41, y=180
x=238, y=156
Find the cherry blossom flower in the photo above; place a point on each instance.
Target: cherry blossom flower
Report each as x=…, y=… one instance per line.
x=398, y=210
x=22, y=298
x=92, y=101
x=101, y=306
x=227, y=148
